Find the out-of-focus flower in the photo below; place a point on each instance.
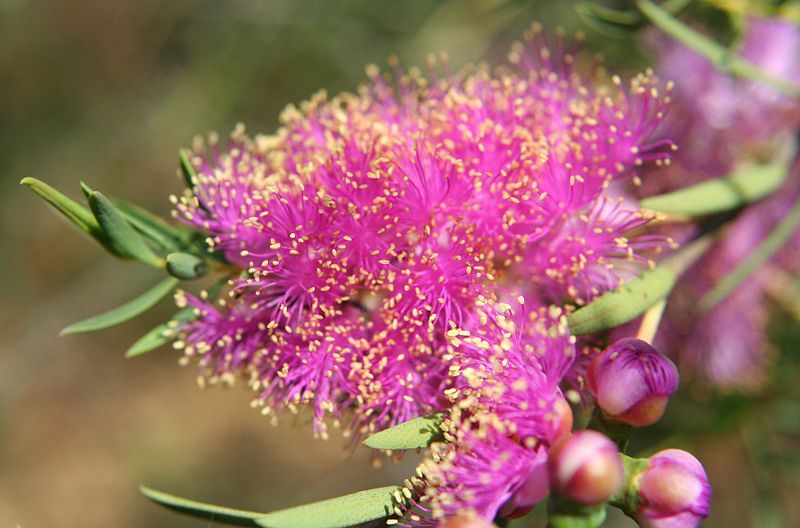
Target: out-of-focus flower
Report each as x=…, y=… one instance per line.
x=632, y=382
x=585, y=468
x=723, y=122
x=674, y=491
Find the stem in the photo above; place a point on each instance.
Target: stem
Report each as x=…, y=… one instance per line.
x=650, y=321
x=762, y=253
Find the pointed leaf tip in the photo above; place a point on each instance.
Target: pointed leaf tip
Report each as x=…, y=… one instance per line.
x=418, y=433
x=125, y=312
x=217, y=514
x=122, y=236
x=76, y=213
x=340, y=512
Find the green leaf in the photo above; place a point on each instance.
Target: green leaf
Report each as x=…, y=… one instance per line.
x=79, y=215
x=125, y=312
x=620, y=22
x=624, y=304
x=722, y=58
x=341, y=512
x=125, y=240
x=774, y=241
x=215, y=514
x=746, y=184
x=162, y=235
x=160, y=335
x=413, y=434
x=185, y=266
x=187, y=169
x=635, y=296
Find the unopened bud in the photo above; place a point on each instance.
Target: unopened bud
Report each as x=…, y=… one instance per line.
x=560, y=420
x=466, y=521
x=632, y=382
x=585, y=468
x=529, y=494
x=674, y=491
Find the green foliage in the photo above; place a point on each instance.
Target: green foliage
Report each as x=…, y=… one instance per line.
x=160, y=335
x=121, y=235
x=722, y=58
x=776, y=239
x=125, y=312
x=746, y=184
x=77, y=214
x=413, y=434
x=185, y=266
x=341, y=512
x=214, y=514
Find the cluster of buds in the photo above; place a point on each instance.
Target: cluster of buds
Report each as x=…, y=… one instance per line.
x=631, y=383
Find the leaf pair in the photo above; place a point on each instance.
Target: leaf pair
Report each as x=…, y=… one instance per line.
x=131, y=232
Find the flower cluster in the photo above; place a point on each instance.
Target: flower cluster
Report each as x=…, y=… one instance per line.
x=376, y=228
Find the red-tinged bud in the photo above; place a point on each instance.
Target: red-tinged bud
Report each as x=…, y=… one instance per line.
x=532, y=491
x=466, y=521
x=585, y=468
x=561, y=420
x=674, y=491
x=632, y=382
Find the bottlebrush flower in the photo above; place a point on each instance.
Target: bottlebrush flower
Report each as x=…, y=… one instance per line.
x=508, y=410
x=585, y=468
x=375, y=226
x=674, y=491
x=632, y=382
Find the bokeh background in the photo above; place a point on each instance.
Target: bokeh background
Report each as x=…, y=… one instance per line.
x=107, y=92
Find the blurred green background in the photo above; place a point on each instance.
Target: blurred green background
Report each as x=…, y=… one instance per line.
x=106, y=92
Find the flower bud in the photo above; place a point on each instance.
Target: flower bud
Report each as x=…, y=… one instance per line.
x=632, y=382
x=674, y=491
x=466, y=521
x=533, y=490
x=585, y=468
x=561, y=420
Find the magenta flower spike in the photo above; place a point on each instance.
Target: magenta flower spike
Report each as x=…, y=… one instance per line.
x=674, y=491
x=585, y=468
x=632, y=382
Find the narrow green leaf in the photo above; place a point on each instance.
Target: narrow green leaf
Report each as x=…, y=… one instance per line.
x=774, y=241
x=185, y=266
x=215, y=514
x=125, y=240
x=746, y=184
x=161, y=234
x=624, y=304
x=722, y=58
x=163, y=333
x=187, y=169
x=413, y=434
x=620, y=21
x=160, y=335
x=341, y=512
x=125, y=312
x=79, y=215
x=635, y=296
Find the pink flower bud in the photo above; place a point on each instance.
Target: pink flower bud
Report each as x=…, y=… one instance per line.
x=674, y=491
x=533, y=490
x=585, y=468
x=466, y=521
x=632, y=382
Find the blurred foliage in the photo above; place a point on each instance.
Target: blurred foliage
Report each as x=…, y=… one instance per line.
x=107, y=92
